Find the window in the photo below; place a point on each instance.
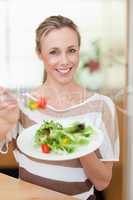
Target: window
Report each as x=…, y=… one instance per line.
x=19, y=65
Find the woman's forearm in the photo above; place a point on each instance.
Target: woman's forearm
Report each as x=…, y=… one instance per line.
x=98, y=172
x=9, y=116
x=4, y=129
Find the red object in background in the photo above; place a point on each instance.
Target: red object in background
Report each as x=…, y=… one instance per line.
x=42, y=103
x=45, y=148
x=93, y=65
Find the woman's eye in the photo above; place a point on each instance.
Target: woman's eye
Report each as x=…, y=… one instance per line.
x=53, y=52
x=72, y=50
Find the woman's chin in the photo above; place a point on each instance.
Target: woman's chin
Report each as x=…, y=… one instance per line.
x=64, y=80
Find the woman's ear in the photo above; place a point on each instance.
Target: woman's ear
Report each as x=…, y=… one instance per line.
x=38, y=52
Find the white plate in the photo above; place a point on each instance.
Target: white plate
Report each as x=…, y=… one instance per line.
x=25, y=143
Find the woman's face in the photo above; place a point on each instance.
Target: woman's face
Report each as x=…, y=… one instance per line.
x=60, y=54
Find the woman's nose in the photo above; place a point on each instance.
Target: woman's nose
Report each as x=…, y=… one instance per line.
x=64, y=59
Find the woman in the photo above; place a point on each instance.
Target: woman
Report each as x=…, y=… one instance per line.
x=58, y=46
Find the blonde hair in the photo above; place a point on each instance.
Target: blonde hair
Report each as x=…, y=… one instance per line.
x=51, y=23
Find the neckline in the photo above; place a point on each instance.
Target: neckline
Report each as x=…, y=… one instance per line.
x=71, y=107
x=62, y=110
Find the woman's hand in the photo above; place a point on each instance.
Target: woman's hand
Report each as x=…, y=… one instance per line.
x=9, y=111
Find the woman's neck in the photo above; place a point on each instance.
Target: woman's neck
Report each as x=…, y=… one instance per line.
x=59, y=89
x=63, y=95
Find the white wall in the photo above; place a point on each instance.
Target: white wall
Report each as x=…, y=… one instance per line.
x=129, y=170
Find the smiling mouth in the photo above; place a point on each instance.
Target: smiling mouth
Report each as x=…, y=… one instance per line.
x=64, y=71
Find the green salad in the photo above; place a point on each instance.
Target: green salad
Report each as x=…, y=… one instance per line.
x=53, y=137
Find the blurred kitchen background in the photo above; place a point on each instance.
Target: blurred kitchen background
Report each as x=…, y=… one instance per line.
x=104, y=28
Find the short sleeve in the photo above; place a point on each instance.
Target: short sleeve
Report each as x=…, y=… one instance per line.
x=109, y=149
x=4, y=143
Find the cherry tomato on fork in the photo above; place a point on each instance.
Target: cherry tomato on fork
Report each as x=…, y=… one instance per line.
x=42, y=103
x=33, y=105
x=45, y=148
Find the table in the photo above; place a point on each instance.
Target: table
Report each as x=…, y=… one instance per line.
x=16, y=189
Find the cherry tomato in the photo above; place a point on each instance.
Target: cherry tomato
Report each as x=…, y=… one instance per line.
x=45, y=148
x=42, y=103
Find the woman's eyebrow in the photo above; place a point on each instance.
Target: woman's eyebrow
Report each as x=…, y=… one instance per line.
x=53, y=48
x=72, y=46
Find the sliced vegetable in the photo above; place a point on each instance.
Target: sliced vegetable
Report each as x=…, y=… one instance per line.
x=45, y=148
x=30, y=104
x=66, y=140
x=42, y=103
x=34, y=106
